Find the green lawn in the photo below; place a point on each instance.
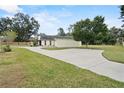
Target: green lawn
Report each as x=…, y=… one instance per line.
x=23, y=68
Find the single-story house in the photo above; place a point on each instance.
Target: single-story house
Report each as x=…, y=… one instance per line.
x=57, y=41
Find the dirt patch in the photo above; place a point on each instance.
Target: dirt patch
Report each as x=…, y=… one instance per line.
x=11, y=76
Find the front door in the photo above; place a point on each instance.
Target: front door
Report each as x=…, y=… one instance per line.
x=40, y=42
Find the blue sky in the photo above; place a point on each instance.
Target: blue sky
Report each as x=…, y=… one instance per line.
x=52, y=17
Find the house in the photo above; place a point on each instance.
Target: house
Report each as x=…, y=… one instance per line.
x=57, y=41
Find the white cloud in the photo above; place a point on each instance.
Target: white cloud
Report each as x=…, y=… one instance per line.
x=63, y=14
x=113, y=22
x=10, y=8
x=48, y=23
x=10, y=16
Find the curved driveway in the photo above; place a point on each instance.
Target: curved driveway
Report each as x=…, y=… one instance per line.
x=88, y=59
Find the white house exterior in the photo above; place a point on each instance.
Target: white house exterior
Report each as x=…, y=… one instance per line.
x=66, y=43
x=58, y=41
x=123, y=43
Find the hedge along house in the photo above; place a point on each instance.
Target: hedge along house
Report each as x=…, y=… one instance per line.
x=57, y=41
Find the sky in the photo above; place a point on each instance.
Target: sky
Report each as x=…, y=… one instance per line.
x=51, y=17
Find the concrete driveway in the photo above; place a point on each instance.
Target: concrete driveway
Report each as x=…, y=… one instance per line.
x=87, y=59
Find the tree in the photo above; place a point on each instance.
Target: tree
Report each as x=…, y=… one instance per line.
x=99, y=26
x=90, y=32
x=61, y=32
x=122, y=12
x=121, y=36
x=99, y=38
x=115, y=31
x=100, y=29
x=5, y=24
x=82, y=31
x=109, y=39
x=122, y=17
x=24, y=26
x=70, y=30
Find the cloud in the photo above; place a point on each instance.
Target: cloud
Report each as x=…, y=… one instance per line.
x=113, y=22
x=48, y=23
x=51, y=21
x=10, y=8
x=63, y=14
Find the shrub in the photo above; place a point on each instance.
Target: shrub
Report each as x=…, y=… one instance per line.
x=7, y=48
x=34, y=42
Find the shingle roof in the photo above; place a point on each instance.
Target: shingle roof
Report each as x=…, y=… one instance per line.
x=64, y=37
x=52, y=37
x=48, y=37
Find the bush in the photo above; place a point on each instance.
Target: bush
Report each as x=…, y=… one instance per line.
x=33, y=43
x=7, y=48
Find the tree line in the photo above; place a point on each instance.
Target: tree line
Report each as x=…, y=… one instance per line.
x=96, y=31
x=87, y=31
x=22, y=24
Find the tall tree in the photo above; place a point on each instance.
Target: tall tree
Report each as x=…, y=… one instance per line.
x=115, y=31
x=99, y=26
x=25, y=26
x=122, y=17
x=70, y=30
x=82, y=31
x=100, y=29
x=61, y=32
x=122, y=12
x=90, y=32
x=5, y=24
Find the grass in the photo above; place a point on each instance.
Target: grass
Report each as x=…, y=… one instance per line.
x=112, y=53
x=23, y=68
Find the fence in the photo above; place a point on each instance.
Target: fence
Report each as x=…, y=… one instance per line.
x=17, y=43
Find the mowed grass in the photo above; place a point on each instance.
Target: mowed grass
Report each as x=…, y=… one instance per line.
x=23, y=68
x=113, y=53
